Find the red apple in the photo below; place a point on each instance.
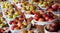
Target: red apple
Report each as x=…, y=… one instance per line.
x=55, y=24
x=12, y=22
x=58, y=31
x=13, y=27
x=44, y=15
x=46, y=18
x=16, y=28
x=36, y=17
x=41, y=19
x=49, y=10
x=53, y=29
x=21, y=19
x=50, y=19
x=33, y=12
x=55, y=7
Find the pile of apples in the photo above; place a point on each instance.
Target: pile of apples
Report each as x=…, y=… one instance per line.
x=44, y=4
x=2, y=30
x=47, y=16
x=11, y=13
x=33, y=12
x=29, y=7
x=25, y=31
x=18, y=23
x=2, y=20
x=6, y=5
x=54, y=7
x=54, y=27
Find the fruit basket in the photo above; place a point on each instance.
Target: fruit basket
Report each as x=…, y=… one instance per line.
x=33, y=12
x=29, y=31
x=10, y=14
x=48, y=31
x=41, y=21
x=53, y=28
x=6, y=5
x=19, y=30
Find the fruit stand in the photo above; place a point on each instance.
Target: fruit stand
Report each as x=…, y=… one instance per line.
x=29, y=16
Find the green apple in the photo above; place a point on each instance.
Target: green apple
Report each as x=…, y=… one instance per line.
x=10, y=16
x=16, y=13
x=43, y=5
x=11, y=11
x=31, y=2
x=14, y=16
x=2, y=19
x=3, y=6
x=28, y=7
x=32, y=8
x=15, y=0
x=2, y=24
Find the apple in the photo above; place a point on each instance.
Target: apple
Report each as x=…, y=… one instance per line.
x=16, y=13
x=22, y=27
x=16, y=28
x=16, y=19
x=13, y=27
x=30, y=31
x=13, y=23
x=14, y=16
x=50, y=19
x=2, y=19
x=2, y=24
x=11, y=10
x=36, y=17
x=25, y=23
x=58, y=31
x=55, y=7
x=1, y=30
x=28, y=12
x=32, y=7
x=19, y=24
x=55, y=16
x=28, y=7
x=10, y=16
x=1, y=15
x=49, y=14
x=33, y=12
x=46, y=18
x=3, y=6
x=48, y=27
x=41, y=19
x=55, y=24
x=49, y=10
x=24, y=31
x=41, y=12
x=44, y=15
x=21, y=19
x=53, y=29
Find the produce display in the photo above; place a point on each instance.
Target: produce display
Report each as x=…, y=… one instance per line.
x=54, y=27
x=48, y=16
x=6, y=5
x=29, y=16
x=11, y=13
